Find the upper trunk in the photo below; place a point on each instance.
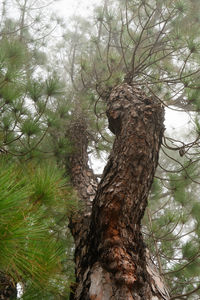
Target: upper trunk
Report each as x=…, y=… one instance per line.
x=114, y=263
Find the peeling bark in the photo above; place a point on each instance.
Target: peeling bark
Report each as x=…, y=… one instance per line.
x=113, y=262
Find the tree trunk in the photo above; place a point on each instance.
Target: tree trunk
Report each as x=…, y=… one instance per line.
x=8, y=289
x=111, y=259
x=85, y=182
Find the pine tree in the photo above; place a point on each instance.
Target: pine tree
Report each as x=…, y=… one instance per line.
x=36, y=250
x=145, y=44
x=30, y=253
x=138, y=57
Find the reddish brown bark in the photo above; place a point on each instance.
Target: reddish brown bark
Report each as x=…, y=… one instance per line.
x=113, y=262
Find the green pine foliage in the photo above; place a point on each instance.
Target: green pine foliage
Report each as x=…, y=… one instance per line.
x=171, y=225
x=31, y=251
x=36, y=198
x=24, y=99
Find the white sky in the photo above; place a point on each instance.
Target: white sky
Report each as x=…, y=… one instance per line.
x=66, y=8
x=175, y=122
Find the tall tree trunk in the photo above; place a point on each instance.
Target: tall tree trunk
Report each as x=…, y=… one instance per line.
x=85, y=182
x=8, y=289
x=113, y=262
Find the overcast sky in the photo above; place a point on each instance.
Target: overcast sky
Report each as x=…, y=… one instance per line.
x=66, y=8
x=175, y=121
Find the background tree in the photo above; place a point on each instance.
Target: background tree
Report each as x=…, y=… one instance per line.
x=35, y=199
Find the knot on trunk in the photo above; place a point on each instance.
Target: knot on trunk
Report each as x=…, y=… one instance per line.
x=114, y=120
x=127, y=103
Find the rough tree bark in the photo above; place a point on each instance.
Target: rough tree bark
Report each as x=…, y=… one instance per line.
x=112, y=261
x=85, y=182
x=8, y=289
